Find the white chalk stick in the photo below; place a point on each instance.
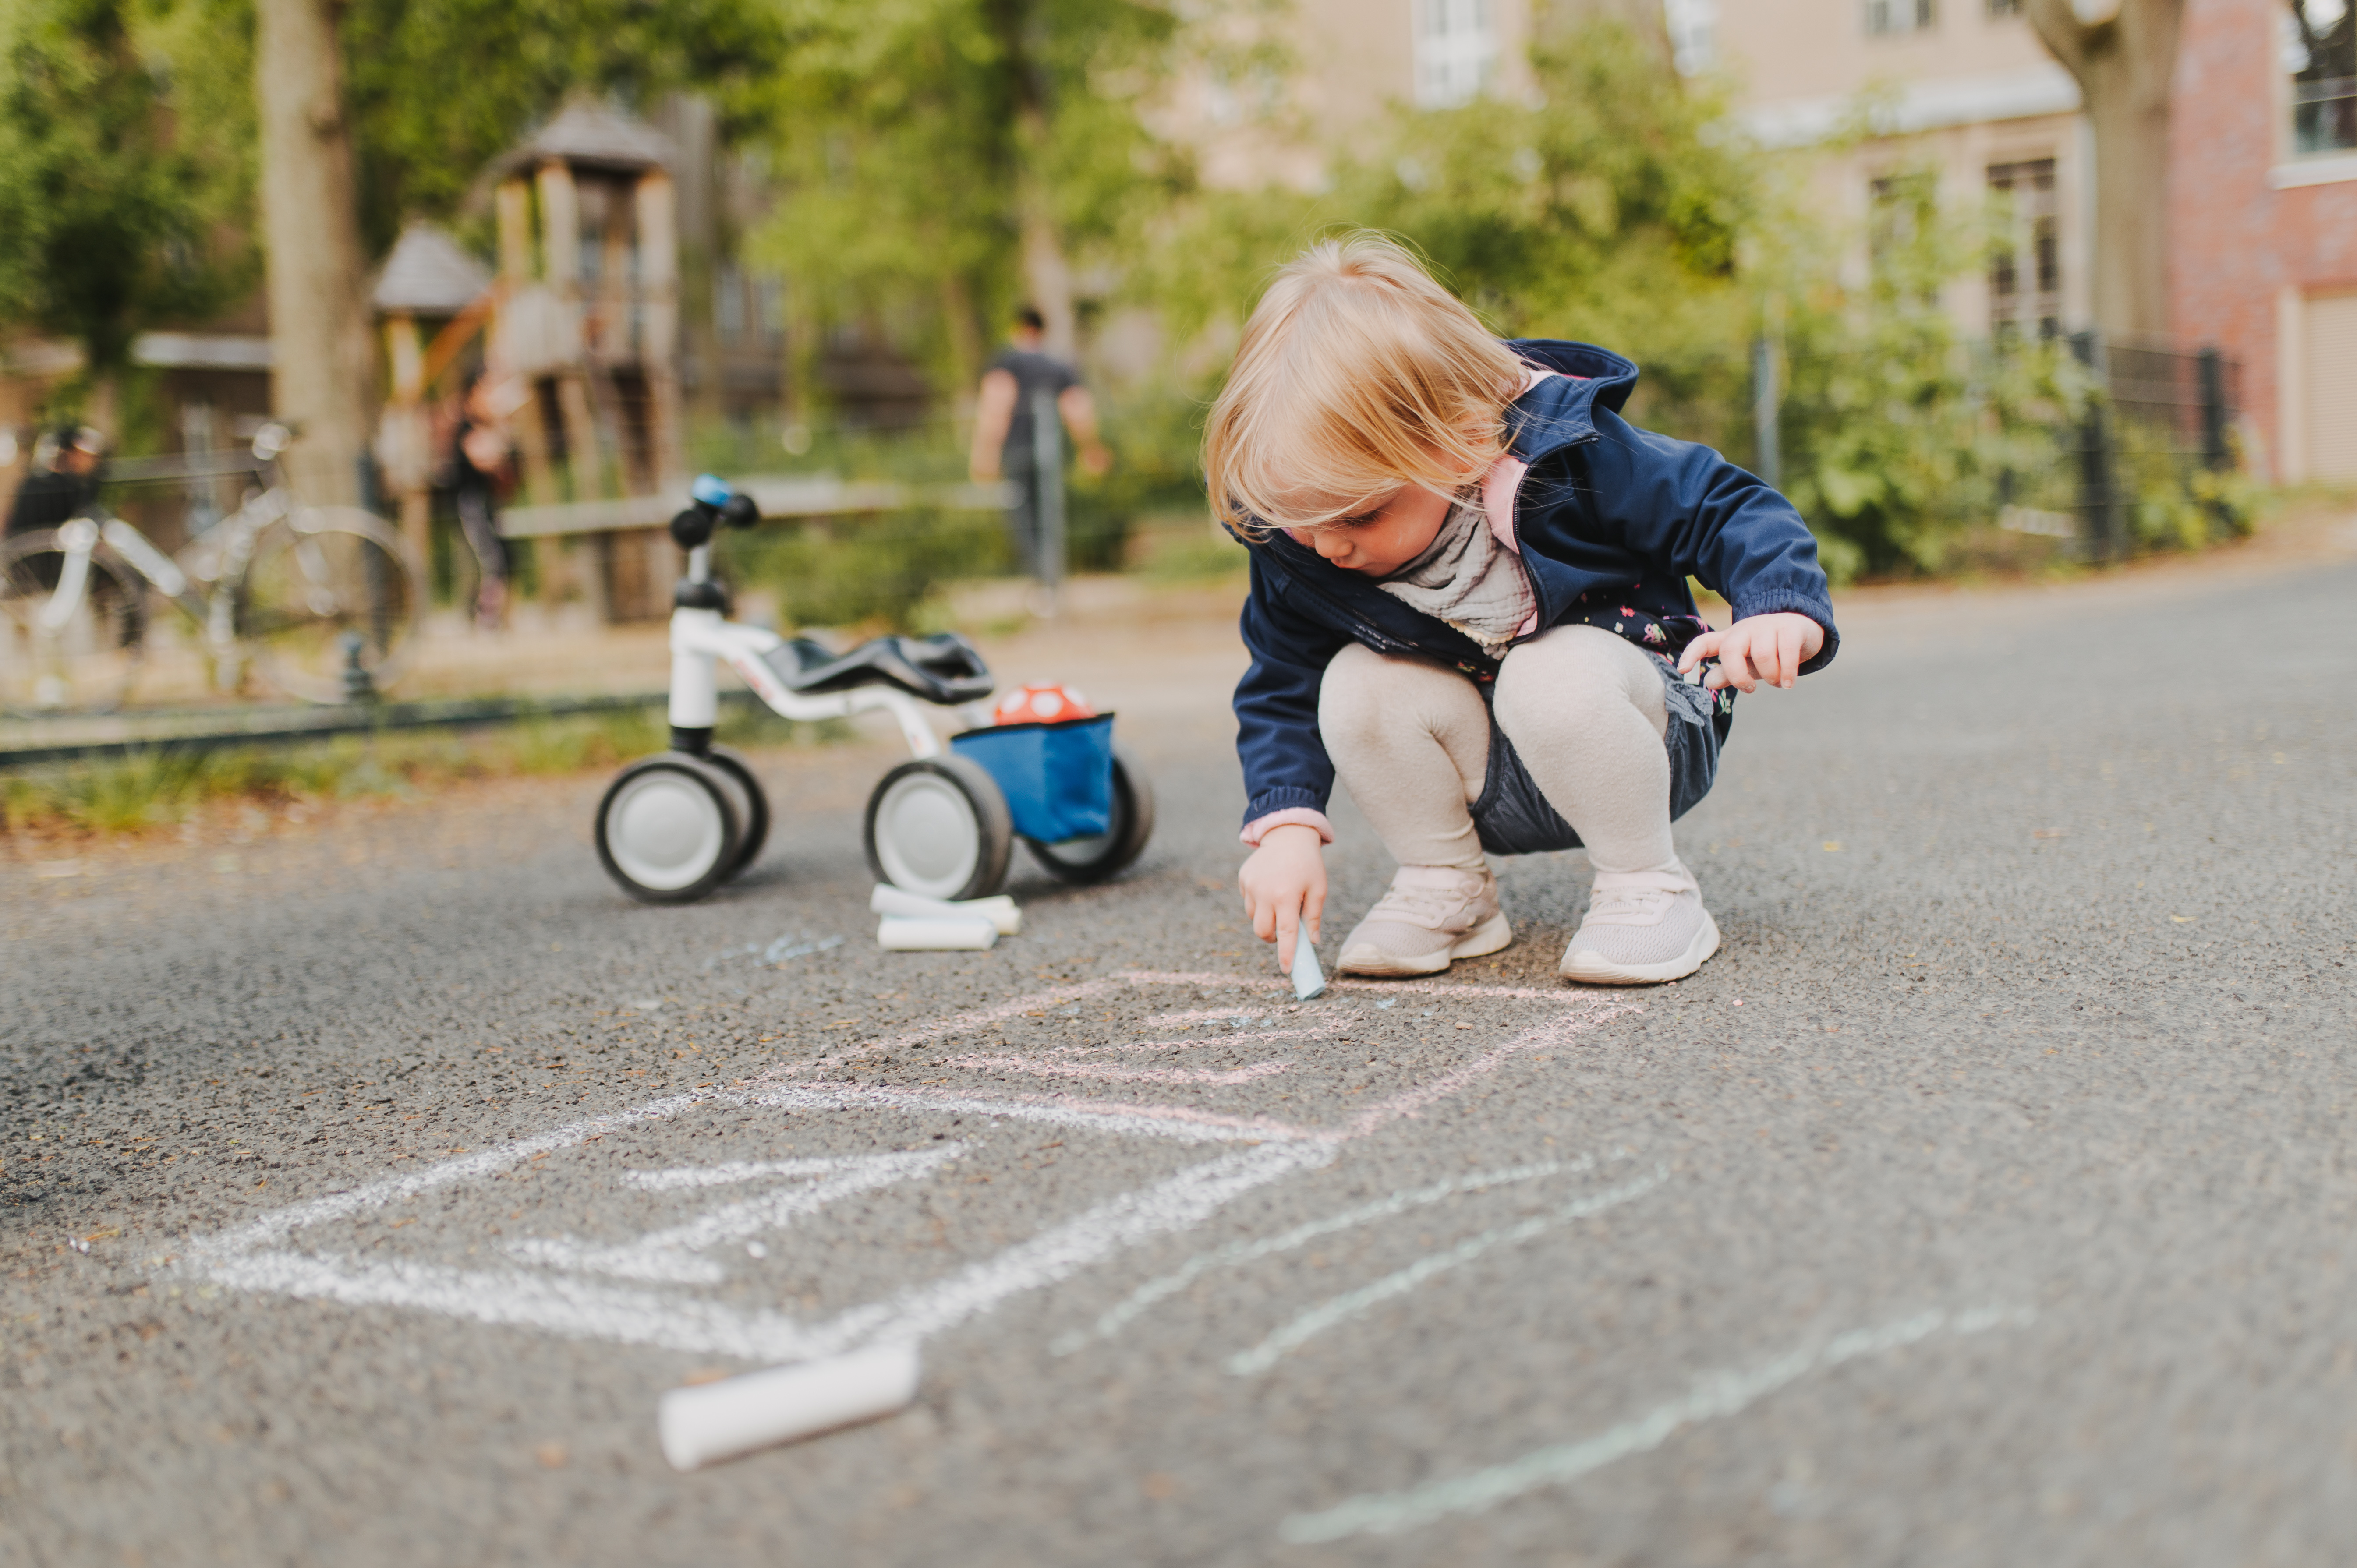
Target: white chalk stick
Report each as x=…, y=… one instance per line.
x=1308, y=979
x=953, y=933
x=720, y=1421
x=999, y=911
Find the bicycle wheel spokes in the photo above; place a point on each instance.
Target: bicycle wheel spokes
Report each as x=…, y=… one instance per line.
x=70, y=638
x=313, y=578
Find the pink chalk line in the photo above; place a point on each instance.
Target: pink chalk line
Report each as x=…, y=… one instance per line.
x=1422, y=987
x=1038, y=1069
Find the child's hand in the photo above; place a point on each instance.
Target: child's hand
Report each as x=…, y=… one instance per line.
x=1770, y=648
x=1284, y=883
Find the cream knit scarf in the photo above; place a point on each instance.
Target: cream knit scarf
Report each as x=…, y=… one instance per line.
x=1466, y=578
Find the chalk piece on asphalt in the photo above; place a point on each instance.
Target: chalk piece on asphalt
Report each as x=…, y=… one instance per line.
x=949, y=933
x=999, y=911
x=719, y=1421
x=1308, y=979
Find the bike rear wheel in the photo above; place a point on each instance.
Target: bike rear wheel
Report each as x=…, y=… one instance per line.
x=316, y=576
x=79, y=657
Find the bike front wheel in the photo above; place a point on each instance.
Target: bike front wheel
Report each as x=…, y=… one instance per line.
x=71, y=631
x=315, y=577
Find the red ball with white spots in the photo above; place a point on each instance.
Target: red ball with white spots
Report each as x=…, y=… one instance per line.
x=1042, y=705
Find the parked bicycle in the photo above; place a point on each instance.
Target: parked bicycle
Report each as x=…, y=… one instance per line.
x=278, y=586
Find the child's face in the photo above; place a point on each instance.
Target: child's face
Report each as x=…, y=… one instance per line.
x=1385, y=537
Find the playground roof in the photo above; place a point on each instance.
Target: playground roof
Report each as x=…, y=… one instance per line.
x=428, y=274
x=590, y=135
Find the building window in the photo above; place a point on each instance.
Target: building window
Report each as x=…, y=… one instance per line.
x=2026, y=264
x=1901, y=210
x=1456, y=52
x=1694, y=34
x=1998, y=9
x=1886, y=17
x=2321, y=51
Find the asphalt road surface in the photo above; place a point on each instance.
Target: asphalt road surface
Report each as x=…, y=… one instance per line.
x=1988, y=1199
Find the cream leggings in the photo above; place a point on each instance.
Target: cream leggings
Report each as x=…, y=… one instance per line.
x=1584, y=708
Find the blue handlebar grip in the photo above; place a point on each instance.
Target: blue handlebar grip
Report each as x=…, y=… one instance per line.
x=711, y=489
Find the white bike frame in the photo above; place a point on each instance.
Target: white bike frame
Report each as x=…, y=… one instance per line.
x=218, y=558
x=701, y=640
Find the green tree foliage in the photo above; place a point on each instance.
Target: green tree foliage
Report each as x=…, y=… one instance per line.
x=1900, y=437
x=1623, y=207
x=900, y=134
x=1611, y=208
x=438, y=88
x=126, y=164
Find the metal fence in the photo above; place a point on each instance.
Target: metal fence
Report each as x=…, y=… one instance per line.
x=2163, y=420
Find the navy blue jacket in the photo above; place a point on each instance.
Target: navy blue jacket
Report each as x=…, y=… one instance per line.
x=1612, y=521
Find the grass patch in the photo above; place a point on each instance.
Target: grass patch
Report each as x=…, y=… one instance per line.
x=152, y=789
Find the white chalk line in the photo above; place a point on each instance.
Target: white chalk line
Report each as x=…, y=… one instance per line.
x=1180, y=1203
x=1354, y=1303
x=1235, y=1254
x=1712, y=1396
x=1175, y=1122
x=1234, y=1017
x=573, y=1308
x=1412, y=1101
x=725, y=1173
x=976, y=1018
x=582, y=1310
x=248, y=1257
x=672, y=1255
x=1184, y=1121
x=275, y=1227
x=1065, y=1061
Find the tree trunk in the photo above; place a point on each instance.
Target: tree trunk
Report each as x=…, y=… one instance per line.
x=1046, y=274
x=963, y=327
x=2124, y=63
x=323, y=361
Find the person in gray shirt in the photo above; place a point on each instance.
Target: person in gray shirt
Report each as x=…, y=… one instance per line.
x=1005, y=435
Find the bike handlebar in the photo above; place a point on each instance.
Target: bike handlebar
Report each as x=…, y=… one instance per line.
x=714, y=502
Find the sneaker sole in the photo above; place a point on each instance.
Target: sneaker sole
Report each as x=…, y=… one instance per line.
x=1486, y=938
x=1590, y=967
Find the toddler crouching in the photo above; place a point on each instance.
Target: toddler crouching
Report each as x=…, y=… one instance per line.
x=1469, y=598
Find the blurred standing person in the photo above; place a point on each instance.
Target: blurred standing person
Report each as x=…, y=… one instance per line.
x=63, y=483
x=482, y=469
x=1006, y=434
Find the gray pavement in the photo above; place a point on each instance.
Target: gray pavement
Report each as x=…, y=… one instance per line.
x=1987, y=1200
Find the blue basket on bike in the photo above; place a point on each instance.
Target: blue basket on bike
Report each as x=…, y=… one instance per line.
x=1057, y=777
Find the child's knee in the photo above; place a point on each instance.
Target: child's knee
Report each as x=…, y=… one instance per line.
x=1573, y=677
x=1366, y=695
x=1350, y=697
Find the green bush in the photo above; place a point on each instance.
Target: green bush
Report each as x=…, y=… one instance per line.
x=870, y=571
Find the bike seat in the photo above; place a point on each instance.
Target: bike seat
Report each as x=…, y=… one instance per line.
x=944, y=669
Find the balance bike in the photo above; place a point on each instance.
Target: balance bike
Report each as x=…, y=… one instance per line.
x=675, y=826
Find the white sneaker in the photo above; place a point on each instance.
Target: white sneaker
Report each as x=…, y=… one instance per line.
x=1432, y=915
x=1643, y=928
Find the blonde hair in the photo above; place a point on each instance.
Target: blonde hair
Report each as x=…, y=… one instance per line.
x=1358, y=374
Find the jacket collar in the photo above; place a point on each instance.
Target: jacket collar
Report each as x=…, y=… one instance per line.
x=1561, y=409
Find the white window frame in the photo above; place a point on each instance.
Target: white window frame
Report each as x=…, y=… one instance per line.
x=1456, y=50
x=1900, y=19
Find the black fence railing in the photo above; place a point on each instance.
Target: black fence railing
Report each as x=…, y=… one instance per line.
x=2155, y=438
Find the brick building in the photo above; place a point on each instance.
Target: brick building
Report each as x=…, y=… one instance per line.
x=2263, y=219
